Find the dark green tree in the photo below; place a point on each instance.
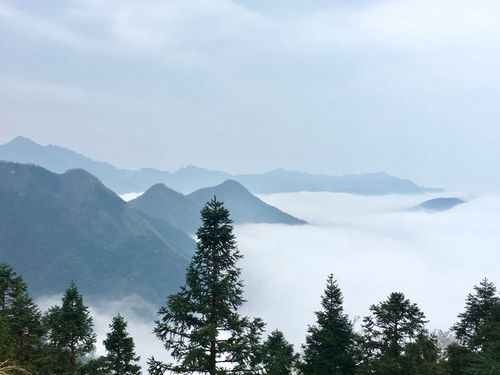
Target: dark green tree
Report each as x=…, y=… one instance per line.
x=487, y=360
x=26, y=331
x=458, y=360
x=329, y=347
x=391, y=334
x=200, y=324
x=278, y=356
x=421, y=357
x=21, y=336
x=10, y=283
x=70, y=331
x=478, y=309
x=121, y=358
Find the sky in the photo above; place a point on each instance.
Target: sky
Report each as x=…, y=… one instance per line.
x=372, y=245
x=338, y=87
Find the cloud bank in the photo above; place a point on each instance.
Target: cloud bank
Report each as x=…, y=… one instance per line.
x=372, y=245
x=353, y=86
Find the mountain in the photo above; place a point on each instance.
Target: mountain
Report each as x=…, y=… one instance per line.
x=282, y=180
x=183, y=211
x=161, y=202
x=62, y=227
x=243, y=205
x=439, y=204
x=189, y=179
x=58, y=159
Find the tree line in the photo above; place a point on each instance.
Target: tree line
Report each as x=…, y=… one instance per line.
x=203, y=332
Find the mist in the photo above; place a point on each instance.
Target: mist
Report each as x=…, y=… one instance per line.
x=373, y=245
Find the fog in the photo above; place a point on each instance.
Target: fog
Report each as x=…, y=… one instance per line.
x=372, y=245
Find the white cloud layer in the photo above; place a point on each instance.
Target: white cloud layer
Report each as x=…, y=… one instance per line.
x=372, y=245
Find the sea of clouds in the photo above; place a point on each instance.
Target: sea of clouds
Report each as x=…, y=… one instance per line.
x=373, y=245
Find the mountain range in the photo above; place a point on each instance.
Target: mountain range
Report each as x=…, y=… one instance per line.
x=191, y=178
x=183, y=211
x=58, y=228
x=62, y=227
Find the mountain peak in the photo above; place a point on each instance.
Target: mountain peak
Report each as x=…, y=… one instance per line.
x=233, y=185
x=160, y=189
x=21, y=140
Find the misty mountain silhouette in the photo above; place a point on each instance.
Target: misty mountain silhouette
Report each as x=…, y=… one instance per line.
x=189, y=179
x=243, y=205
x=62, y=227
x=183, y=211
x=439, y=204
x=161, y=202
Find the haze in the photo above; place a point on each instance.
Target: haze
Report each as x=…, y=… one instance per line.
x=409, y=87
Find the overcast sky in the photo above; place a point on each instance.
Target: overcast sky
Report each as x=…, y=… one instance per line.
x=409, y=87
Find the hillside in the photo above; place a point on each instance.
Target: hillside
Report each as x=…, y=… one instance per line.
x=62, y=227
x=243, y=205
x=164, y=203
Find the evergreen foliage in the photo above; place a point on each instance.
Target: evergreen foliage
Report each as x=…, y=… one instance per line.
x=200, y=325
x=21, y=330
x=478, y=309
x=329, y=347
x=278, y=356
x=478, y=334
x=10, y=283
x=70, y=331
x=121, y=358
x=395, y=339
x=487, y=360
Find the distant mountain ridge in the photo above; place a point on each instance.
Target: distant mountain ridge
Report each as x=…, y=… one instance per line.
x=81, y=231
x=62, y=227
x=189, y=179
x=183, y=211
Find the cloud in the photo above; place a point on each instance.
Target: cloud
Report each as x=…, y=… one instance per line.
x=397, y=85
x=372, y=245
x=129, y=196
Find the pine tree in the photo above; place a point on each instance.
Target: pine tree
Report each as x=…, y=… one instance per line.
x=395, y=325
x=200, y=324
x=329, y=344
x=478, y=308
x=70, y=329
x=278, y=355
x=21, y=328
x=487, y=360
x=25, y=330
x=10, y=283
x=121, y=358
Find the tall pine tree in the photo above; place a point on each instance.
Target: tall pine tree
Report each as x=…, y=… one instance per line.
x=478, y=308
x=278, y=356
x=200, y=325
x=394, y=335
x=70, y=331
x=121, y=358
x=25, y=330
x=329, y=343
x=21, y=330
x=10, y=283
